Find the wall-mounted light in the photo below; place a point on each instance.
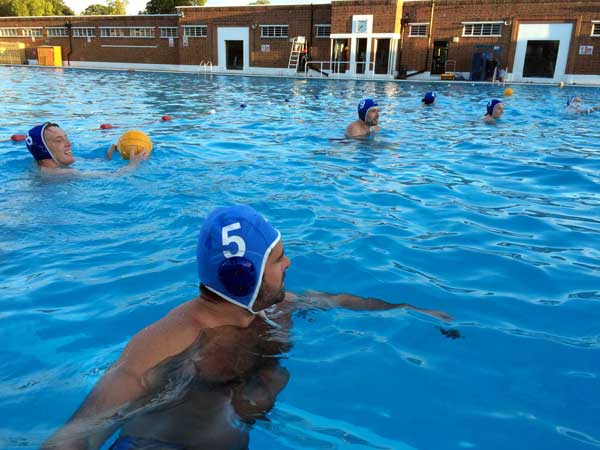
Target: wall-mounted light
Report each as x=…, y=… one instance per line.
x=405, y=19
x=507, y=22
x=180, y=14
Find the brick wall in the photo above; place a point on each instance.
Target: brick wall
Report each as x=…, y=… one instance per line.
x=449, y=15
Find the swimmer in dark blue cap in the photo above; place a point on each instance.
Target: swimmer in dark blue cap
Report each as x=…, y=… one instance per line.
x=494, y=110
x=200, y=376
x=52, y=149
x=428, y=98
x=575, y=106
x=368, y=118
x=50, y=146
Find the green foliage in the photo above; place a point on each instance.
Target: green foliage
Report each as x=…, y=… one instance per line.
x=260, y=2
x=34, y=8
x=112, y=7
x=168, y=6
x=96, y=10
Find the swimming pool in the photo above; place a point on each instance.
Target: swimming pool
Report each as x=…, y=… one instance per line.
x=497, y=225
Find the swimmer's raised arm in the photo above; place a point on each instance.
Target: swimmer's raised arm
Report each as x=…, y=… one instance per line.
x=122, y=388
x=323, y=300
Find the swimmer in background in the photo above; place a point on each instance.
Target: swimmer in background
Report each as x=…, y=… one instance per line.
x=495, y=109
x=203, y=374
x=52, y=149
x=368, y=118
x=574, y=106
x=429, y=98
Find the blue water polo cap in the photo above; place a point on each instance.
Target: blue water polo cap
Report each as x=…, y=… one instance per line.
x=364, y=106
x=36, y=144
x=233, y=247
x=570, y=100
x=491, y=105
x=429, y=98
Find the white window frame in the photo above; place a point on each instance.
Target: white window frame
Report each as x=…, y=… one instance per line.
x=483, y=25
x=127, y=32
x=57, y=31
x=9, y=32
x=194, y=31
x=414, y=26
x=169, y=32
x=274, y=31
x=84, y=32
x=595, y=28
x=323, y=30
x=32, y=32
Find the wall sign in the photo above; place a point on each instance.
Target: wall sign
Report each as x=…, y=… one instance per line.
x=185, y=41
x=171, y=42
x=586, y=49
x=265, y=48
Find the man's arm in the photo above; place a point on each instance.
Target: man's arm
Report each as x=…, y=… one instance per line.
x=122, y=389
x=322, y=300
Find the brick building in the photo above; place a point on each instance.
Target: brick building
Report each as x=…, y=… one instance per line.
x=533, y=40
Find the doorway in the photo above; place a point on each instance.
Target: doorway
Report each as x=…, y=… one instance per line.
x=540, y=59
x=341, y=56
x=485, y=60
x=361, y=55
x=234, y=51
x=382, y=56
x=440, y=56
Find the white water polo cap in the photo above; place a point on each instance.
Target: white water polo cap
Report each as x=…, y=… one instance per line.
x=233, y=247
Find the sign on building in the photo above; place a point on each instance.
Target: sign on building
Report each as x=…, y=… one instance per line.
x=586, y=49
x=185, y=41
x=265, y=48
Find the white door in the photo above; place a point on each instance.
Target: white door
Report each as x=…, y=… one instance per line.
x=233, y=49
x=542, y=52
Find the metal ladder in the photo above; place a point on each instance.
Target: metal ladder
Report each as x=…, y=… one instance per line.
x=298, y=47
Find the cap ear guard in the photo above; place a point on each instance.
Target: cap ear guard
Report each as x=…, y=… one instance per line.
x=238, y=275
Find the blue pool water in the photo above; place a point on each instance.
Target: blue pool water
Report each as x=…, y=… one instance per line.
x=497, y=225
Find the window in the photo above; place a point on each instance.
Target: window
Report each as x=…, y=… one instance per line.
x=113, y=32
x=9, y=32
x=596, y=29
x=482, y=29
x=322, y=31
x=143, y=32
x=84, y=32
x=195, y=30
x=36, y=32
x=57, y=32
x=168, y=32
x=273, y=31
x=418, y=30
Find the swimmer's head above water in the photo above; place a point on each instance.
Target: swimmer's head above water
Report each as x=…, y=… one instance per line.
x=429, y=98
x=495, y=109
x=49, y=145
x=368, y=112
x=240, y=258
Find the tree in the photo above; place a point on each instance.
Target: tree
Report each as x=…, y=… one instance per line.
x=112, y=8
x=260, y=2
x=168, y=6
x=35, y=8
x=96, y=10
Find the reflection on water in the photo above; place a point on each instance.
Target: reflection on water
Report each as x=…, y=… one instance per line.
x=496, y=225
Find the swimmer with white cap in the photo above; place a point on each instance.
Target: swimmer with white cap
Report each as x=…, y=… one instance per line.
x=200, y=376
x=575, y=106
x=52, y=150
x=368, y=119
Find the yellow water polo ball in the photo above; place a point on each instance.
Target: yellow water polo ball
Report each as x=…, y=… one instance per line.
x=508, y=92
x=136, y=140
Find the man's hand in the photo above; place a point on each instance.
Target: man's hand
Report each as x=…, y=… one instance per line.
x=136, y=157
x=110, y=151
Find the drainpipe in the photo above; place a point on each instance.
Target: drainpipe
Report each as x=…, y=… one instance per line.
x=429, y=37
x=69, y=26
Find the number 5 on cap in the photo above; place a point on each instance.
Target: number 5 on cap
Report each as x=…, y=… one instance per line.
x=237, y=240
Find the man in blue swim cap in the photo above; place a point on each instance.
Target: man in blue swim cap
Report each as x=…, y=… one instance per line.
x=494, y=110
x=200, y=376
x=428, y=98
x=51, y=148
x=575, y=106
x=368, y=119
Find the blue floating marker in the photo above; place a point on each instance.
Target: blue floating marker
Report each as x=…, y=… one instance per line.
x=316, y=97
x=243, y=105
x=287, y=100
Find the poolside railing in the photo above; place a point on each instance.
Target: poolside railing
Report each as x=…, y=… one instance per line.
x=205, y=67
x=337, y=68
